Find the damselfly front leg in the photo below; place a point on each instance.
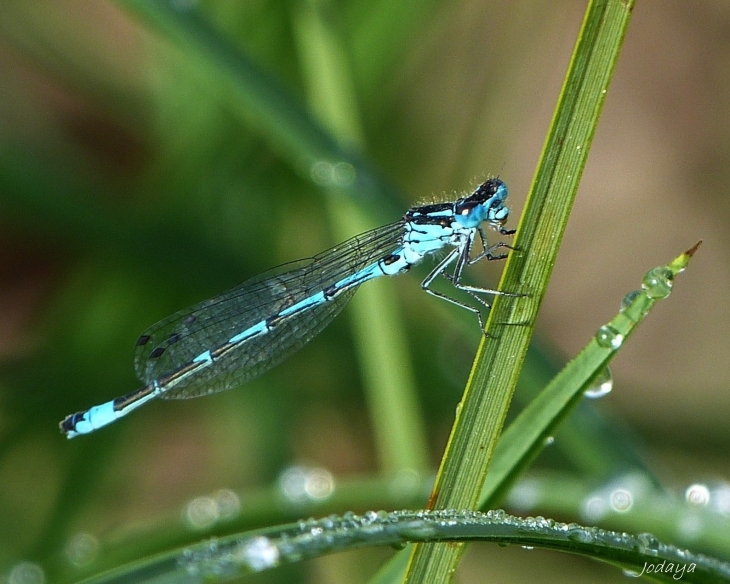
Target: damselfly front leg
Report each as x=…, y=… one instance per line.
x=488, y=250
x=460, y=255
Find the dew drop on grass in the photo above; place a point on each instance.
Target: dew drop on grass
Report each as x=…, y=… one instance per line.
x=609, y=338
x=26, y=573
x=657, y=283
x=697, y=495
x=601, y=385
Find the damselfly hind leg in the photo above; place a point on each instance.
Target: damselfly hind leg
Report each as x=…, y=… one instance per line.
x=440, y=269
x=460, y=258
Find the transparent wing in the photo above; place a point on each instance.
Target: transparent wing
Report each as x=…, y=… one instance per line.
x=174, y=341
x=261, y=353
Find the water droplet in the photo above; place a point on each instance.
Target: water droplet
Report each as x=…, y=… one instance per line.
x=649, y=543
x=300, y=483
x=628, y=300
x=618, y=495
x=594, y=508
x=621, y=500
x=500, y=515
x=201, y=512
x=343, y=174
x=579, y=534
x=322, y=172
x=698, y=495
x=657, y=282
x=720, y=498
x=258, y=553
x=227, y=502
x=320, y=483
x=337, y=174
x=609, y=338
x=27, y=573
x=549, y=441
x=524, y=496
x=292, y=482
x=82, y=549
x=601, y=385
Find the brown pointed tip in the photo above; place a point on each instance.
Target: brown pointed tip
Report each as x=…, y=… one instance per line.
x=691, y=251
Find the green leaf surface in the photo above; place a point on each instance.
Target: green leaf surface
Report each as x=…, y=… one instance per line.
x=526, y=436
x=509, y=328
x=237, y=555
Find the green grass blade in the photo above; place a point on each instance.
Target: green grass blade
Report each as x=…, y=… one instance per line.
x=525, y=437
x=260, y=99
x=592, y=441
x=496, y=368
x=244, y=553
x=656, y=510
x=379, y=333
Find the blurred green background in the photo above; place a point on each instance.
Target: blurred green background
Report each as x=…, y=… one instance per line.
x=138, y=177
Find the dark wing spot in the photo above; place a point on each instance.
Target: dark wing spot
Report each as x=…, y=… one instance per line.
x=143, y=340
x=174, y=338
x=157, y=352
x=391, y=259
x=190, y=319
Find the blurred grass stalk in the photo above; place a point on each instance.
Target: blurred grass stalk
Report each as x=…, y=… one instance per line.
x=509, y=327
x=379, y=333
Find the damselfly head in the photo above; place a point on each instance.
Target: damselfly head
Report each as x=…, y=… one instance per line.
x=486, y=203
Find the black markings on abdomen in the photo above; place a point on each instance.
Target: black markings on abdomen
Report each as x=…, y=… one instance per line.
x=273, y=321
